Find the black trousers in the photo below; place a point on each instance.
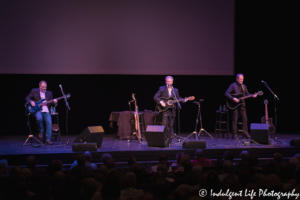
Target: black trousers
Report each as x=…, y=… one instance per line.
x=241, y=110
x=168, y=121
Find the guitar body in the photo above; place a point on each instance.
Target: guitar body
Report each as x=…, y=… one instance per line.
x=266, y=120
x=269, y=122
x=170, y=102
x=168, y=105
x=233, y=105
x=32, y=109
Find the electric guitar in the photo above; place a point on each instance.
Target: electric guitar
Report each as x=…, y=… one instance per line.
x=32, y=109
x=266, y=120
x=233, y=105
x=170, y=103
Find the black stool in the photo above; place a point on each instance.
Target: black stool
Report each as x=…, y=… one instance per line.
x=55, y=126
x=240, y=128
x=222, y=124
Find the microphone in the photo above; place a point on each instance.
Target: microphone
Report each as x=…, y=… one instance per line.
x=170, y=85
x=263, y=82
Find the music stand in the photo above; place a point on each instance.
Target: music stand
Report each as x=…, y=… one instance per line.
x=196, y=135
x=201, y=127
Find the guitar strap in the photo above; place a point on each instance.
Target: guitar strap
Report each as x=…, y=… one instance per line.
x=243, y=92
x=243, y=89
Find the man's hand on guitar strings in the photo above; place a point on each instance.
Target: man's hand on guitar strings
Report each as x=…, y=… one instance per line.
x=236, y=100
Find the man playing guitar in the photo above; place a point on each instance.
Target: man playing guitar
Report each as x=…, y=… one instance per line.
x=38, y=94
x=168, y=91
x=234, y=89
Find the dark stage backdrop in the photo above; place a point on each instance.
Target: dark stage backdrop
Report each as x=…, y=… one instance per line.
x=94, y=97
x=151, y=37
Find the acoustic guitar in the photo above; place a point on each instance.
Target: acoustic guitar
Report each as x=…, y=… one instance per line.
x=266, y=120
x=170, y=103
x=136, y=120
x=233, y=105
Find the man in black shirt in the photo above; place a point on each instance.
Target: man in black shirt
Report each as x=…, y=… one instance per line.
x=238, y=88
x=167, y=91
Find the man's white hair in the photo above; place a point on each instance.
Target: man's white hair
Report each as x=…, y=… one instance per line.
x=169, y=77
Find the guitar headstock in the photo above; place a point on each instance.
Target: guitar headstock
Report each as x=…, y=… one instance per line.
x=260, y=93
x=266, y=101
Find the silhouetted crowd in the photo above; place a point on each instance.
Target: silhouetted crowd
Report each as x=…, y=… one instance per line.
x=181, y=180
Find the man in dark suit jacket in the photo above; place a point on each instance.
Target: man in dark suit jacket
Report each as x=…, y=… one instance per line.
x=36, y=95
x=167, y=91
x=238, y=88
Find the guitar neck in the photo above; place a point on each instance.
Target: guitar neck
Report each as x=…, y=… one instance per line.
x=266, y=112
x=50, y=101
x=246, y=97
x=174, y=101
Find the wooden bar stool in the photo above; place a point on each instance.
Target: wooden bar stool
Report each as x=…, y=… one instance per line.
x=222, y=123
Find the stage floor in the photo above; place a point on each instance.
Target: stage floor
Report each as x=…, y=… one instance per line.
x=12, y=149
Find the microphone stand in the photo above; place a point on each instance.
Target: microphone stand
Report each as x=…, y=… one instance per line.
x=275, y=107
x=178, y=114
x=67, y=114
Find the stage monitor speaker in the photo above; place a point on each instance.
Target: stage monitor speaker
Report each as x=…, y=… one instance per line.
x=156, y=136
x=260, y=133
x=91, y=134
x=194, y=145
x=295, y=142
x=84, y=147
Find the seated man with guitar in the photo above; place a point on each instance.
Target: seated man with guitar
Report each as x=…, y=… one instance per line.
x=235, y=94
x=37, y=94
x=165, y=99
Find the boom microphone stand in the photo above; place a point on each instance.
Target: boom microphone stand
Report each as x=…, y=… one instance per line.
x=67, y=113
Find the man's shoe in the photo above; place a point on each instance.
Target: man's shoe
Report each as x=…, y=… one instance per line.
x=235, y=137
x=48, y=143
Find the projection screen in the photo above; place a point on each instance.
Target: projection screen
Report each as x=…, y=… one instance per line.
x=148, y=37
